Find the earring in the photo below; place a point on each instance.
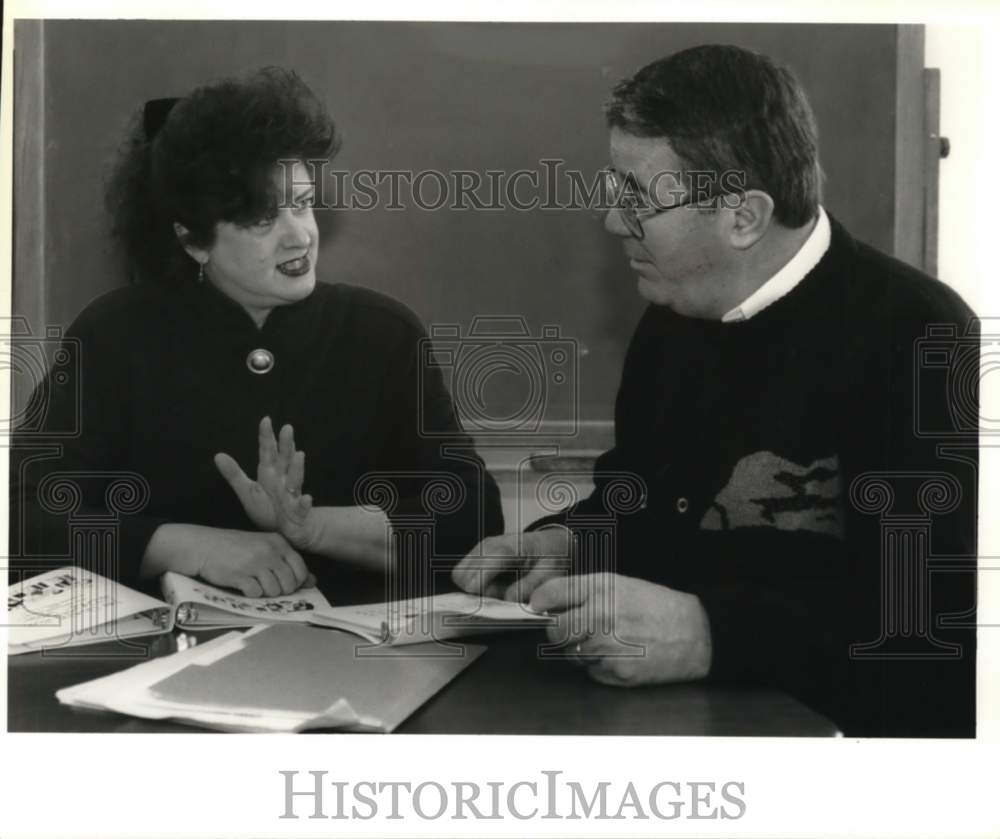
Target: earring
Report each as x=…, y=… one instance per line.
x=201, y=272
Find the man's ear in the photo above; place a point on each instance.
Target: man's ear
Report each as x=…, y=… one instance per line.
x=199, y=255
x=751, y=218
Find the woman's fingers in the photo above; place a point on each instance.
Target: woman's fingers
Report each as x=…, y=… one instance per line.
x=268, y=579
x=238, y=480
x=291, y=506
x=286, y=449
x=285, y=576
x=296, y=473
x=297, y=565
x=267, y=446
x=278, y=457
x=269, y=479
x=250, y=587
x=231, y=471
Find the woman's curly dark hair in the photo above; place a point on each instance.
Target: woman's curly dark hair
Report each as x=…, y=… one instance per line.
x=212, y=160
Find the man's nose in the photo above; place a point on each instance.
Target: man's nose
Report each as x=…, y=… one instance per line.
x=615, y=224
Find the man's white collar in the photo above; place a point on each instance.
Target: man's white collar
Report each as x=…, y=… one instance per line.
x=795, y=270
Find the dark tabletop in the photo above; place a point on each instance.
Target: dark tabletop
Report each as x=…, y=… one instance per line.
x=510, y=689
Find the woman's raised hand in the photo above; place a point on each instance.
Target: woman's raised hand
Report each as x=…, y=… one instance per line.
x=274, y=501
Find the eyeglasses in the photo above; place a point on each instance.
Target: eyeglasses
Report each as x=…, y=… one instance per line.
x=625, y=200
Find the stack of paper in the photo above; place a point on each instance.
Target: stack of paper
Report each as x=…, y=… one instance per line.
x=279, y=678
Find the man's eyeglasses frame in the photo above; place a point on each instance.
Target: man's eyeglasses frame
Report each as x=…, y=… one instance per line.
x=622, y=194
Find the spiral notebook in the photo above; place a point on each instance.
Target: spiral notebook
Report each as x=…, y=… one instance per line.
x=200, y=605
x=434, y=618
x=71, y=606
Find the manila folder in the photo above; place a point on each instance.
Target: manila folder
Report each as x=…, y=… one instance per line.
x=307, y=669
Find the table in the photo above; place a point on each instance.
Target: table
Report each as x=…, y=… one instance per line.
x=508, y=690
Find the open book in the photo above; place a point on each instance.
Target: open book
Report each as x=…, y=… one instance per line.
x=202, y=606
x=436, y=618
x=70, y=606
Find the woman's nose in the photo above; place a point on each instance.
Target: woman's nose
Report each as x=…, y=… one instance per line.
x=297, y=231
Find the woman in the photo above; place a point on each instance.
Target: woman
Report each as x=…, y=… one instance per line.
x=225, y=330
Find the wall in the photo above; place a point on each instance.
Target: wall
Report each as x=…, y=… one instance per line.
x=958, y=52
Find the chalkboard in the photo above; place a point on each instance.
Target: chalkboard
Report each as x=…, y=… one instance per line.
x=436, y=97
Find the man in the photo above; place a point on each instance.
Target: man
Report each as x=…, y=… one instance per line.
x=768, y=406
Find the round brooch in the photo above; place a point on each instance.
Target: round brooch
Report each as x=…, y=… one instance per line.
x=260, y=361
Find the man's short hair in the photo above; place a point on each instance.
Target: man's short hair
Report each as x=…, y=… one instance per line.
x=726, y=109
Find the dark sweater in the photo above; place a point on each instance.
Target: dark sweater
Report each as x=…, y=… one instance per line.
x=748, y=437
x=165, y=385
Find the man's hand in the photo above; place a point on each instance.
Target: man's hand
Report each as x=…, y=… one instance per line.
x=627, y=631
x=512, y=566
x=274, y=501
x=256, y=564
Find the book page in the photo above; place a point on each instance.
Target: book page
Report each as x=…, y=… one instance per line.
x=189, y=594
x=454, y=608
x=70, y=601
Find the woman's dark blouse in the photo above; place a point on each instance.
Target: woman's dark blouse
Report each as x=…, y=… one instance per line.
x=162, y=385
